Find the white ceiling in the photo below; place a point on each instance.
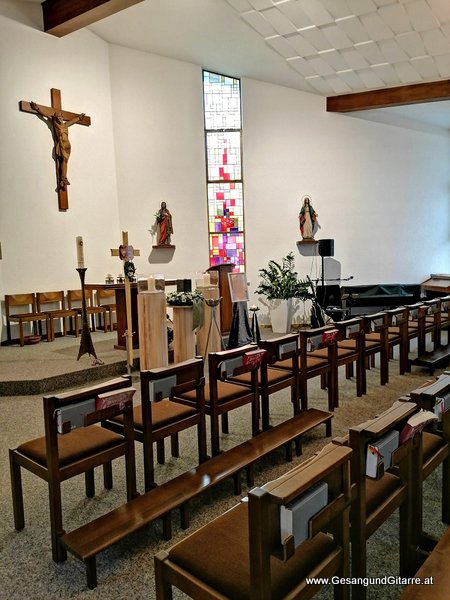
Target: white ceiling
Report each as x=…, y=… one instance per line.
x=327, y=47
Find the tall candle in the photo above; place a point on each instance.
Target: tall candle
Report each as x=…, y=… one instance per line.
x=151, y=284
x=80, y=252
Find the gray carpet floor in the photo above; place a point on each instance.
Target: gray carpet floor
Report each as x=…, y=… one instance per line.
x=27, y=571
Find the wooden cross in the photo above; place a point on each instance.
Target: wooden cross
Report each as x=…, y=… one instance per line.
x=121, y=252
x=60, y=120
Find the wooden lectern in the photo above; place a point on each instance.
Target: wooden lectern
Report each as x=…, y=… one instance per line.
x=226, y=307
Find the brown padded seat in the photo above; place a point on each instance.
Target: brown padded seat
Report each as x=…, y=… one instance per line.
x=73, y=446
x=351, y=344
x=373, y=336
x=227, y=567
x=377, y=490
x=273, y=376
x=163, y=413
x=226, y=391
x=436, y=566
x=341, y=352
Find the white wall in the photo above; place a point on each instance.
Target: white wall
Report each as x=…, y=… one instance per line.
x=381, y=191
x=38, y=240
x=158, y=131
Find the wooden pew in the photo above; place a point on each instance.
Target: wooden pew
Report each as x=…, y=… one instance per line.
x=90, y=539
x=255, y=557
x=374, y=500
x=434, y=575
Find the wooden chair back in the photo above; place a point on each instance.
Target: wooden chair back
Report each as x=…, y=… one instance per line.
x=168, y=384
x=375, y=499
x=318, y=358
x=397, y=322
x=54, y=305
x=74, y=444
x=107, y=299
x=281, y=372
x=376, y=341
x=351, y=351
x=28, y=314
x=255, y=531
x=445, y=313
x=74, y=301
x=226, y=394
x=435, y=397
x=433, y=320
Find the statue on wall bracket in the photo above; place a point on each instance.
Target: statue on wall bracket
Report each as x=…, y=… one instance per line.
x=308, y=220
x=163, y=227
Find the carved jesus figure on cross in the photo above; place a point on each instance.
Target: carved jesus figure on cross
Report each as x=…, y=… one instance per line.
x=59, y=121
x=62, y=143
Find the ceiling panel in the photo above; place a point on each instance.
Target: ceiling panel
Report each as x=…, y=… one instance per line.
x=323, y=46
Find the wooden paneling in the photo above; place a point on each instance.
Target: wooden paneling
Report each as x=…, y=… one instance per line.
x=396, y=96
x=62, y=17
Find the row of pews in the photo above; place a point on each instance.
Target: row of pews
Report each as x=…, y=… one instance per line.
x=334, y=508
x=177, y=398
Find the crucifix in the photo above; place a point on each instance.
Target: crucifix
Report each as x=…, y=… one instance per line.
x=59, y=121
x=126, y=253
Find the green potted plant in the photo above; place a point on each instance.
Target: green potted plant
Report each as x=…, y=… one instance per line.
x=280, y=284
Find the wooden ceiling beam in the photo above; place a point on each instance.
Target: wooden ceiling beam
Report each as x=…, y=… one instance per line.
x=62, y=17
x=397, y=96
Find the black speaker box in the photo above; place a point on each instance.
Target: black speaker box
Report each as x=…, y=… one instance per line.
x=326, y=247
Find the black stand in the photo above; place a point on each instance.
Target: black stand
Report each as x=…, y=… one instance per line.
x=240, y=332
x=255, y=326
x=213, y=303
x=86, y=345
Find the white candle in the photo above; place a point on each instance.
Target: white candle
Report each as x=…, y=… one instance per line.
x=151, y=284
x=80, y=252
x=206, y=280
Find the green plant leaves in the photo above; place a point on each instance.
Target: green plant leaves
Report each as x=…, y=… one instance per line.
x=280, y=281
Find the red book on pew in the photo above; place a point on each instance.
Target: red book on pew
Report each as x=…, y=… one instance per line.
x=115, y=398
x=416, y=424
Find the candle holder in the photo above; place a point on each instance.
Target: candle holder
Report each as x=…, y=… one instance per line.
x=255, y=325
x=213, y=303
x=86, y=345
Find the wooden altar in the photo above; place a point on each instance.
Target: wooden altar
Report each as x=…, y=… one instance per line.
x=119, y=289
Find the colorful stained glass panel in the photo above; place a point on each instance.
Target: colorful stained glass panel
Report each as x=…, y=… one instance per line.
x=223, y=155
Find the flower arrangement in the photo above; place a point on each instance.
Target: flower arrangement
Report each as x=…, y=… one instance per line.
x=184, y=298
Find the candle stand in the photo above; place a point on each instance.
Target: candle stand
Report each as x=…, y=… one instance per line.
x=86, y=345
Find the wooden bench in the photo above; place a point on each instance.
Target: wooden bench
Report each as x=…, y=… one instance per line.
x=101, y=533
x=434, y=575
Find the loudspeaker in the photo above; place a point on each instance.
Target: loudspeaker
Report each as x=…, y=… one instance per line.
x=326, y=247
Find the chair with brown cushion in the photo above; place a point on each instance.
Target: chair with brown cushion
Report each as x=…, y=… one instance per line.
x=416, y=314
x=53, y=304
x=74, y=300
x=318, y=359
x=164, y=413
x=376, y=498
x=435, y=397
x=445, y=315
x=350, y=351
x=73, y=444
x=28, y=314
x=376, y=341
x=107, y=298
x=223, y=393
x=248, y=553
x=282, y=372
x=433, y=319
x=397, y=328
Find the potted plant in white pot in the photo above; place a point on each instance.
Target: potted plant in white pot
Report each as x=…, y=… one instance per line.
x=280, y=285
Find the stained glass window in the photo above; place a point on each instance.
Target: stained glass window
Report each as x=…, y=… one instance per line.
x=222, y=106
